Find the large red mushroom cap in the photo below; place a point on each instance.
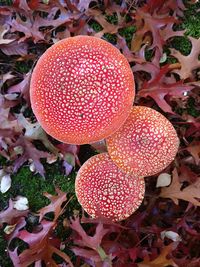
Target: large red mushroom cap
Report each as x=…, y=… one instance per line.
x=82, y=90
x=145, y=144
x=104, y=190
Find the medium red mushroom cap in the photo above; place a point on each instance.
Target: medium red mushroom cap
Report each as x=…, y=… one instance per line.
x=82, y=90
x=145, y=144
x=104, y=190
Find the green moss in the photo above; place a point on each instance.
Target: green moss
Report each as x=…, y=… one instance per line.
x=23, y=66
x=182, y=44
x=149, y=53
x=112, y=38
x=33, y=186
x=6, y=2
x=127, y=33
x=113, y=19
x=191, y=21
x=95, y=25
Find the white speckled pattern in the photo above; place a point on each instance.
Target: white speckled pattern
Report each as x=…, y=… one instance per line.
x=145, y=144
x=103, y=189
x=82, y=90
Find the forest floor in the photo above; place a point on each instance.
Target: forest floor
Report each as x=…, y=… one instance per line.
x=27, y=29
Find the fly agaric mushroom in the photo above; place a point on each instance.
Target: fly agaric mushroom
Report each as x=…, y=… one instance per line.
x=82, y=90
x=145, y=144
x=104, y=190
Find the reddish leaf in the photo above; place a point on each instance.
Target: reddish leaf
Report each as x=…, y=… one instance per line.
x=29, y=152
x=158, y=89
x=149, y=25
x=55, y=205
x=88, y=241
x=15, y=48
x=11, y=215
x=22, y=88
x=40, y=247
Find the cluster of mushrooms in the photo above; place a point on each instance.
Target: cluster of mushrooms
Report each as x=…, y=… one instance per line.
x=82, y=91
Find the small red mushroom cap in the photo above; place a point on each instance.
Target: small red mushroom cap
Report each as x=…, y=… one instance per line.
x=145, y=144
x=82, y=90
x=104, y=190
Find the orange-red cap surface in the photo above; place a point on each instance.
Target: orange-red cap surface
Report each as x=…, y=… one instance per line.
x=104, y=190
x=145, y=144
x=82, y=90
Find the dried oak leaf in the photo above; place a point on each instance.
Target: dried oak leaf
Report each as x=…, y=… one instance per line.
x=190, y=62
x=7, y=121
x=190, y=193
x=33, y=131
x=100, y=18
x=15, y=48
x=11, y=215
x=86, y=240
x=22, y=88
x=27, y=27
x=91, y=242
x=55, y=205
x=3, y=30
x=29, y=153
x=194, y=150
x=163, y=6
x=41, y=247
x=149, y=28
x=90, y=255
x=159, y=88
x=162, y=259
x=31, y=27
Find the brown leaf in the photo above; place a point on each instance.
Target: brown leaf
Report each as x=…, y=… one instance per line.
x=161, y=260
x=194, y=150
x=149, y=28
x=190, y=193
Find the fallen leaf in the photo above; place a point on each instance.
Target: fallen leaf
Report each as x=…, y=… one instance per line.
x=190, y=193
x=15, y=48
x=11, y=215
x=86, y=240
x=40, y=247
x=194, y=150
x=22, y=88
x=161, y=260
x=158, y=89
x=55, y=205
x=190, y=62
x=29, y=152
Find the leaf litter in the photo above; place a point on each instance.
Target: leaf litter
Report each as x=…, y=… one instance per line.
x=166, y=80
